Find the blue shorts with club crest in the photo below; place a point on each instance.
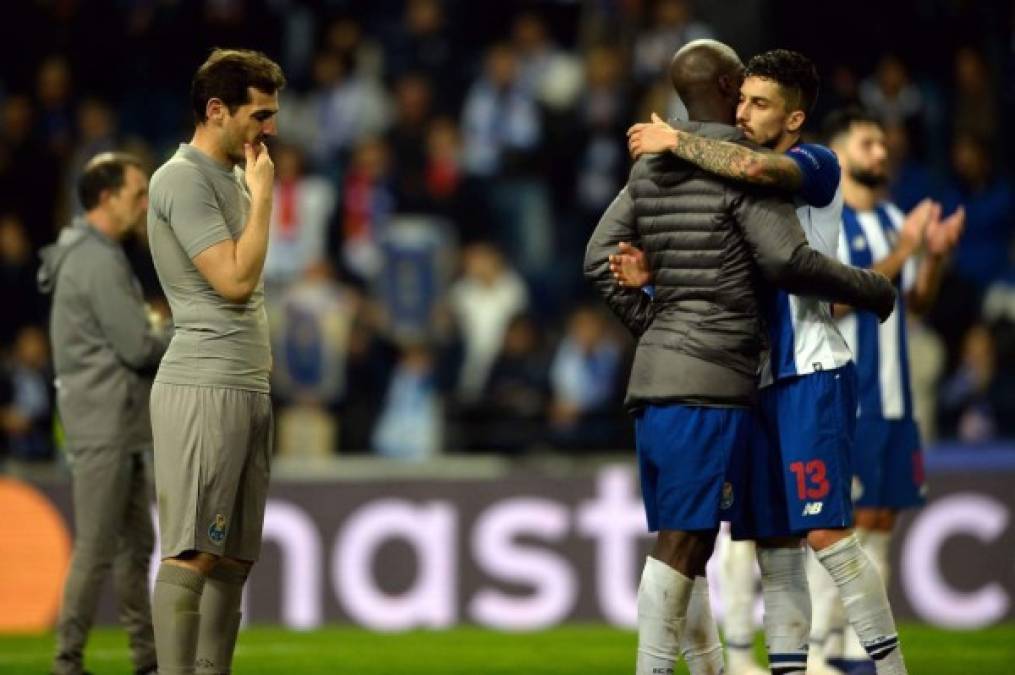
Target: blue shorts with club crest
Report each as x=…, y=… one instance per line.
x=799, y=472
x=690, y=459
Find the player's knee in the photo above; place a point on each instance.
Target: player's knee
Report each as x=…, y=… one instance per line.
x=198, y=561
x=885, y=520
x=866, y=519
x=686, y=552
x=822, y=539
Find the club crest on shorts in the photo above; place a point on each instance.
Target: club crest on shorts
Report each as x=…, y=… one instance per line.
x=726, y=500
x=217, y=530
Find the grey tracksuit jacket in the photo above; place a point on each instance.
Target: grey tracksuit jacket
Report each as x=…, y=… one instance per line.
x=104, y=350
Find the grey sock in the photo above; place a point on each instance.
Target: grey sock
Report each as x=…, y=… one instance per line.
x=220, y=620
x=176, y=618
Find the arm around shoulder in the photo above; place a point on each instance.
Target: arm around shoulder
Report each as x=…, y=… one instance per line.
x=786, y=259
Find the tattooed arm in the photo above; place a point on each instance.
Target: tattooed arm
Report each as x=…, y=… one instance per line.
x=722, y=158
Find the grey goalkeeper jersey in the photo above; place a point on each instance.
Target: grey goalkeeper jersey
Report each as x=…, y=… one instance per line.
x=195, y=203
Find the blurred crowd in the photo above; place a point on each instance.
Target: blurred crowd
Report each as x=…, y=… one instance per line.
x=439, y=168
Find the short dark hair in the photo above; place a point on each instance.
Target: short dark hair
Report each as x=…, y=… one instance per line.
x=228, y=74
x=792, y=71
x=839, y=122
x=104, y=172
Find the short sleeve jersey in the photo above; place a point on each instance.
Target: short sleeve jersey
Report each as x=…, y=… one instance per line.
x=804, y=337
x=194, y=203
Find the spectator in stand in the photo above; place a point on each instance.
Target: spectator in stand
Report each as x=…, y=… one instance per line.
x=552, y=75
x=500, y=119
x=967, y=409
x=912, y=180
x=23, y=305
x=344, y=37
x=411, y=423
x=341, y=110
x=604, y=113
x=502, y=129
x=369, y=364
x=443, y=177
x=424, y=43
x=586, y=380
x=96, y=127
x=842, y=91
x=511, y=416
x=56, y=107
x=672, y=26
x=976, y=111
x=26, y=418
x=29, y=171
x=983, y=254
x=407, y=138
x=482, y=304
x=368, y=201
x=890, y=94
x=304, y=206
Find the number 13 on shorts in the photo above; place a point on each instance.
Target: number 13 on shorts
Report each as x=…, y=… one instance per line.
x=811, y=479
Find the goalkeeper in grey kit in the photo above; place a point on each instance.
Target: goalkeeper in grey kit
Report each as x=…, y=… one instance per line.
x=210, y=408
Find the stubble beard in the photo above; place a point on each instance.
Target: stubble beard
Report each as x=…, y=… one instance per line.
x=869, y=178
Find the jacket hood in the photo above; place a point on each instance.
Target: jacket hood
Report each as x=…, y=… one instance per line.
x=54, y=255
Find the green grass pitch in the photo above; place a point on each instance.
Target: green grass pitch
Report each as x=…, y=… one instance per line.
x=570, y=650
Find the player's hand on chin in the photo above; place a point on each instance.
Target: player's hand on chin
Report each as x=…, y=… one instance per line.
x=260, y=170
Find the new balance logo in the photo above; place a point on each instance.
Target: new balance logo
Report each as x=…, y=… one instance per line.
x=813, y=508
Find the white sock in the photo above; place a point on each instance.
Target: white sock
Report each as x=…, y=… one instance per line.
x=663, y=597
x=877, y=543
x=787, y=608
x=738, y=589
x=865, y=602
x=827, y=618
x=700, y=645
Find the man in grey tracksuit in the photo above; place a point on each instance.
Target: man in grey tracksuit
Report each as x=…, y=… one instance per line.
x=700, y=337
x=106, y=347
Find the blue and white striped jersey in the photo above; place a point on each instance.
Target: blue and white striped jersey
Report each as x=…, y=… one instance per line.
x=879, y=349
x=804, y=336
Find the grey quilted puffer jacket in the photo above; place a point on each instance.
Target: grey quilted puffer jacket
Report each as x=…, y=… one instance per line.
x=711, y=245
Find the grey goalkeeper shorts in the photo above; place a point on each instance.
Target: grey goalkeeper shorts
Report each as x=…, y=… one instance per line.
x=212, y=462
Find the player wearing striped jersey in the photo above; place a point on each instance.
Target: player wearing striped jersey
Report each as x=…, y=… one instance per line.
x=910, y=249
x=801, y=472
